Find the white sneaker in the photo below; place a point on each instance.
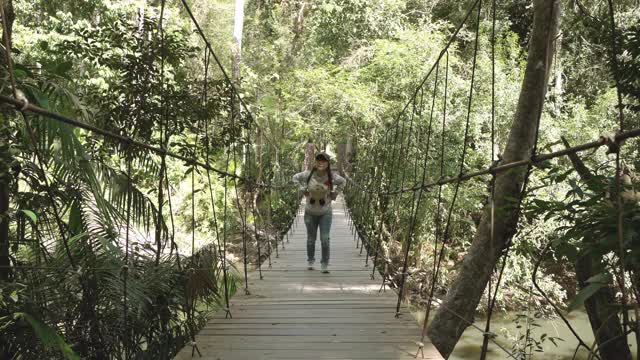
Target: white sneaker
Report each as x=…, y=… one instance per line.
x=324, y=268
x=310, y=265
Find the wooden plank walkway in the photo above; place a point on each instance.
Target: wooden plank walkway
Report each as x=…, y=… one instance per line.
x=295, y=313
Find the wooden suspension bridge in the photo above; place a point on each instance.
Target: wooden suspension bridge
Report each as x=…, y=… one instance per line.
x=295, y=313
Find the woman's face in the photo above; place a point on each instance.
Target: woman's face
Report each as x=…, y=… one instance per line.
x=322, y=165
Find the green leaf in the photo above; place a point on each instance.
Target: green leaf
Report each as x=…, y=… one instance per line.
x=31, y=215
x=42, y=99
x=600, y=278
x=576, y=188
x=20, y=74
x=62, y=68
x=48, y=336
x=595, y=283
x=14, y=296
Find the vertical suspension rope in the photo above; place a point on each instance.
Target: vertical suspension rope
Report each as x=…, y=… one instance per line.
x=429, y=130
x=418, y=109
x=191, y=300
x=382, y=202
x=220, y=256
x=205, y=103
x=224, y=237
x=365, y=215
x=32, y=139
x=414, y=208
x=241, y=209
x=619, y=203
x=371, y=220
x=160, y=218
x=492, y=299
x=445, y=235
x=415, y=205
x=387, y=194
x=272, y=223
x=265, y=224
x=253, y=188
x=394, y=168
x=164, y=141
x=125, y=267
x=436, y=257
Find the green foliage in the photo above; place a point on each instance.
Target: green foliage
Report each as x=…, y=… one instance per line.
x=596, y=283
x=341, y=26
x=630, y=67
x=525, y=344
x=47, y=336
x=18, y=328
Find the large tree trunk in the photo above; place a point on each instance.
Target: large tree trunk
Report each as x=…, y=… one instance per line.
x=309, y=155
x=465, y=292
x=5, y=157
x=603, y=315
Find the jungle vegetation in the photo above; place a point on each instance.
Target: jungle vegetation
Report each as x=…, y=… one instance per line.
x=322, y=74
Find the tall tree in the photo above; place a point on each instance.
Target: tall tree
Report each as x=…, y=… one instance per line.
x=238, y=26
x=5, y=157
x=459, y=307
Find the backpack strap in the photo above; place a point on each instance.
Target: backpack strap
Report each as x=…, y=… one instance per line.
x=310, y=175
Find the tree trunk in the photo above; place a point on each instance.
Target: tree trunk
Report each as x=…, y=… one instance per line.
x=297, y=29
x=5, y=271
x=341, y=154
x=238, y=25
x=5, y=158
x=159, y=219
x=309, y=155
x=259, y=155
x=558, y=87
x=466, y=290
x=10, y=16
x=349, y=155
x=603, y=316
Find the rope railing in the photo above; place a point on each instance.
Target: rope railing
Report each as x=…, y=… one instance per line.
x=26, y=106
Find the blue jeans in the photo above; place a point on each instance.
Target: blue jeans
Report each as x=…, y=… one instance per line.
x=313, y=222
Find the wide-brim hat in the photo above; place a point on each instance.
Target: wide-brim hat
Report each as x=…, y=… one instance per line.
x=323, y=156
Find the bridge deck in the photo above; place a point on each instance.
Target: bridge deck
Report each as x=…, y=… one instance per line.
x=295, y=313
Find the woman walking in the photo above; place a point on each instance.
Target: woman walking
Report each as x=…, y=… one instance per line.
x=320, y=186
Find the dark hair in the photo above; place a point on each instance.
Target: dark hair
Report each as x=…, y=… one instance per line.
x=329, y=174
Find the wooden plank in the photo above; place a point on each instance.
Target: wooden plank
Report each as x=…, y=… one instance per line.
x=271, y=325
x=295, y=313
